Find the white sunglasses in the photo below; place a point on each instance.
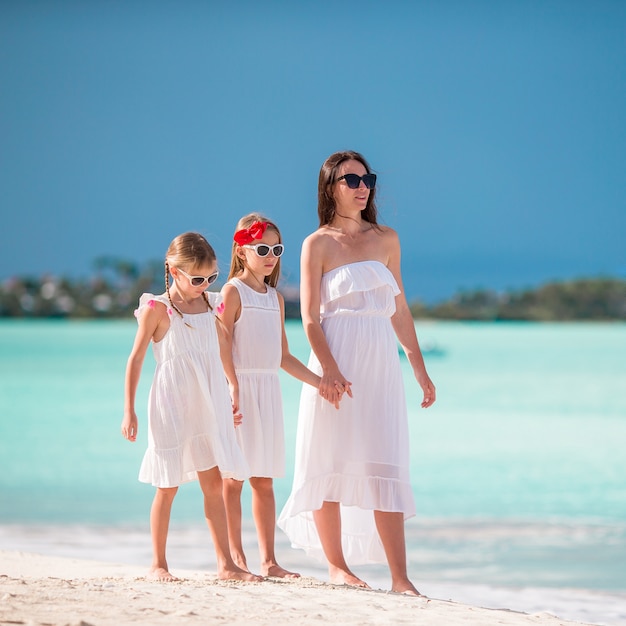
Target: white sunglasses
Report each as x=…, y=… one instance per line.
x=263, y=249
x=196, y=281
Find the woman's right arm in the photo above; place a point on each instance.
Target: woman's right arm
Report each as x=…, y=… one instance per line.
x=150, y=319
x=311, y=270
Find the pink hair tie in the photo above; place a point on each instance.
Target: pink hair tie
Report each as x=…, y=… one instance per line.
x=248, y=235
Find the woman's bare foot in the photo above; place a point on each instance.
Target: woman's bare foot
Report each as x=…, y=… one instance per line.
x=346, y=577
x=276, y=571
x=405, y=587
x=162, y=574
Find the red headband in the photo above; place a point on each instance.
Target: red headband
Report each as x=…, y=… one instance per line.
x=248, y=235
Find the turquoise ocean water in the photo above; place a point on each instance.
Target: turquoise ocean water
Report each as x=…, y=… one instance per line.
x=519, y=470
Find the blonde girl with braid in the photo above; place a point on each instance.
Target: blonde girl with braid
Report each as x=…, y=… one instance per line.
x=255, y=349
x=191, y=435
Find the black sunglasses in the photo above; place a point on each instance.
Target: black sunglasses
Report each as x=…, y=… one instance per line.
x=354, y=180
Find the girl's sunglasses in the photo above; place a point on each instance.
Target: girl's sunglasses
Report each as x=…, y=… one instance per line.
x=354, y=180
x=196, y=281
x=263, y=249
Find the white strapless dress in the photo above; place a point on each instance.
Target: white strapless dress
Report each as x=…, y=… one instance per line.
x=357, y=455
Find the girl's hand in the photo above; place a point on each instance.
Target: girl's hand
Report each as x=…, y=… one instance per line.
x=129, y=426
x=234, y=397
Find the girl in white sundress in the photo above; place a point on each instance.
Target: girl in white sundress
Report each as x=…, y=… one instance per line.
x=351, y=490
x=255, y=348
x=191, y=434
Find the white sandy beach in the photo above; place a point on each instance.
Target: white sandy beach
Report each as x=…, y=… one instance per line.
x=51, y=591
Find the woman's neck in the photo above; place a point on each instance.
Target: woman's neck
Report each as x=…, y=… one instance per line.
x=349, y=225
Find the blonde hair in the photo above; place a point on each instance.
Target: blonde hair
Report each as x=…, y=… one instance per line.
x=236, y=263
x=187, y=251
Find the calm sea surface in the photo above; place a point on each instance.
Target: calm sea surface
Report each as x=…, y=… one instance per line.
x=519, y=470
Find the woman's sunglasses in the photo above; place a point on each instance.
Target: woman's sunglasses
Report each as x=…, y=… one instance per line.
x=354, y=180
x=196, y=281
x=263, y=249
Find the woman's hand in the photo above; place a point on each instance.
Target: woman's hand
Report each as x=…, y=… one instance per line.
x=332, y=387
x=129, y=426
x=430, y=394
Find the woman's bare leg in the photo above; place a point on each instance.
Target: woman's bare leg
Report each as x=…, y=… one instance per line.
x=328, y=523
x=159, y=526
x=215, y=513
x=391, y=530
x=264, y=513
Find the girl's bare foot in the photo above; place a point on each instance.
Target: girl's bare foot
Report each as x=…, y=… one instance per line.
x=277, y=571
x=240, y=561
x=162, y=574
x=346, y=577
x=239, y=574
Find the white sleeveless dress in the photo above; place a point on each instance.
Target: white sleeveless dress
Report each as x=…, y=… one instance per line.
x=257, y=353
x=190, y=418
x=357, y=455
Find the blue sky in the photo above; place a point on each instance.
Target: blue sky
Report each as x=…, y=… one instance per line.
x=497, y=129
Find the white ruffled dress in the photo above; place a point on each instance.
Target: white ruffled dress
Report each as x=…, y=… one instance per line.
x=257, y=353
x=357, y=455
x=190, y=418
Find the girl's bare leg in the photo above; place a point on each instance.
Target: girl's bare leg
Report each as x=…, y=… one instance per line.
x=159, y=526
x=215, y=513
x=391, y=530
x=328, y=523
x=232, y=501
x=264, y=512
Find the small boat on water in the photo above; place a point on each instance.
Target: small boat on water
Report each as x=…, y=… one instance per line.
x=428, y=347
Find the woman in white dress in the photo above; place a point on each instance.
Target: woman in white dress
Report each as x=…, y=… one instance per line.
x=351, y=490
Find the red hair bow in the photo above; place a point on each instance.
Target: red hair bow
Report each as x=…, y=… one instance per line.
x=248, y=235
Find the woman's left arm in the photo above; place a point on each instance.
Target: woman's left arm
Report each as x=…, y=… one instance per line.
x=404, y=324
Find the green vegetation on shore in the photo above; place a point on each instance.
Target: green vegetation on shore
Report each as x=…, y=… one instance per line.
x=114, y=289
x=582, y=299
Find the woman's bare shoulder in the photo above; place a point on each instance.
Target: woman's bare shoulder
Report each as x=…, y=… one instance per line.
x=318, y=240
x=387, y=236
x=320, y=233
x=386, y=231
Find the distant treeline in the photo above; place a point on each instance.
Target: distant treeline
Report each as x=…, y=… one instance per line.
x=115, y=286
x=582, y=299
